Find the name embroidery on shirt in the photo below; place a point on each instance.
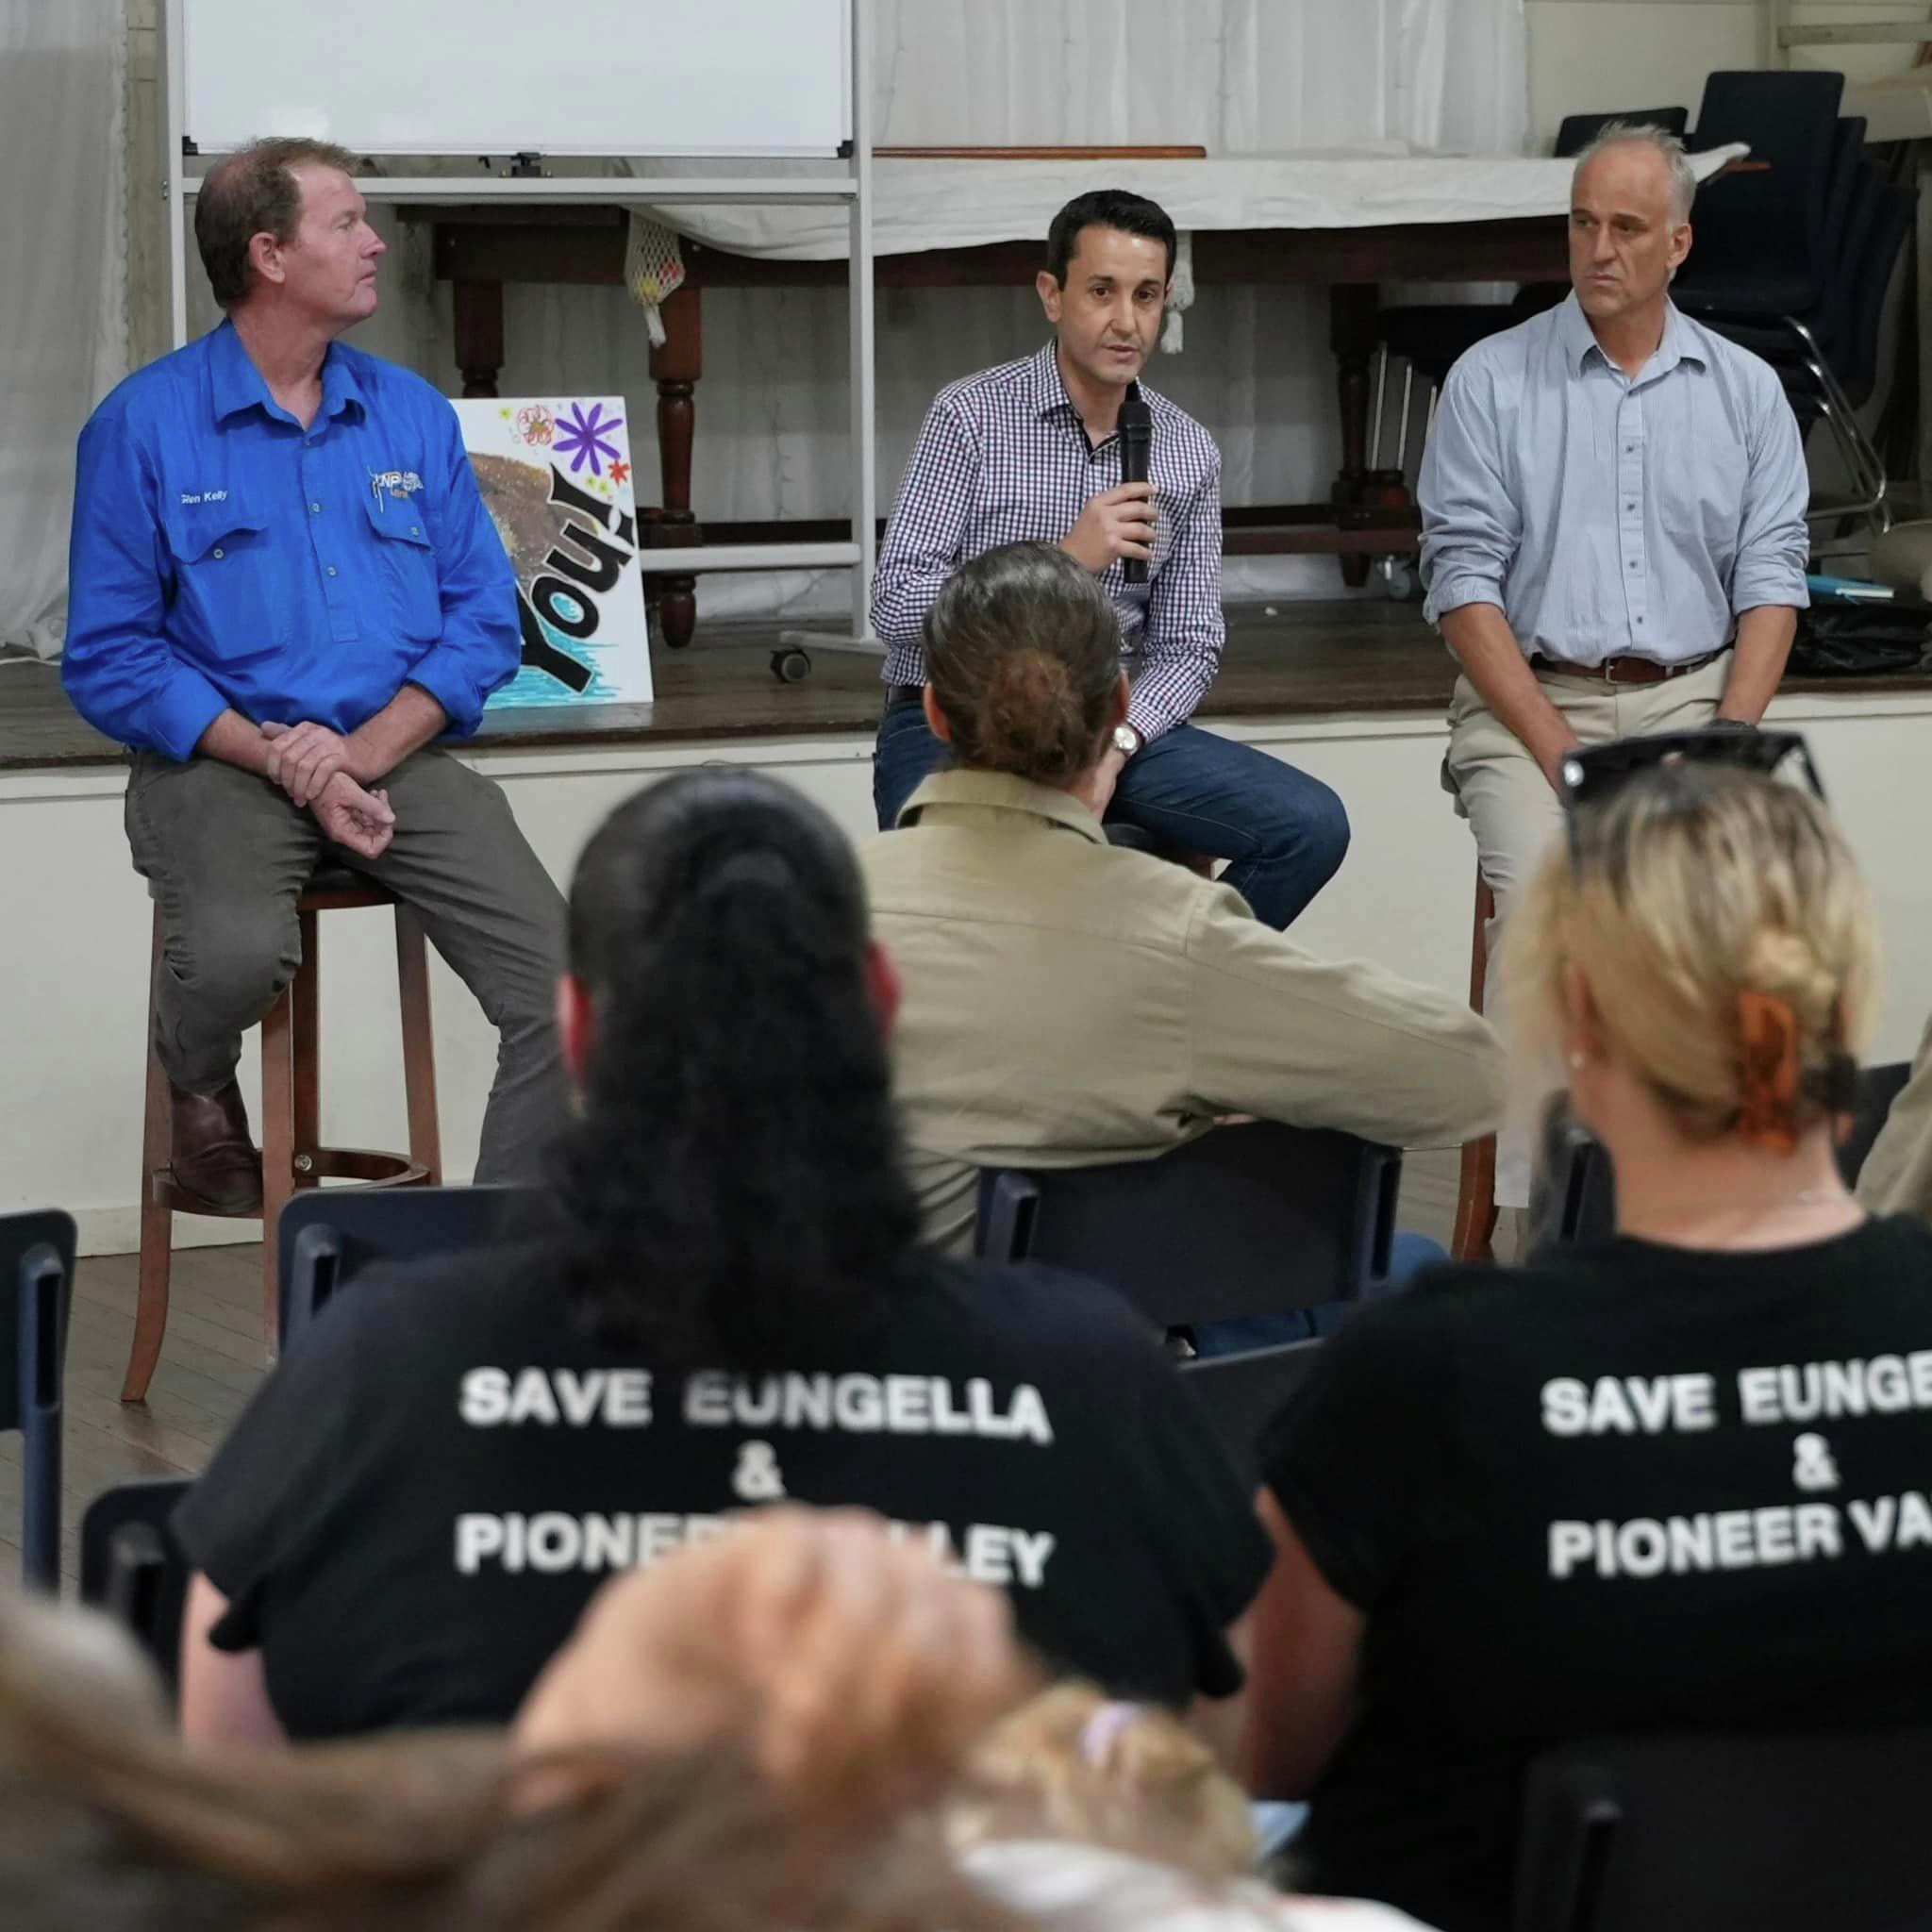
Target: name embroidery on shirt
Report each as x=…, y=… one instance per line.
x=385, y=484
x=205, y=496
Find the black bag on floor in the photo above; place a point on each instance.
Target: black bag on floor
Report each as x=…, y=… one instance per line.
x=1861, y=640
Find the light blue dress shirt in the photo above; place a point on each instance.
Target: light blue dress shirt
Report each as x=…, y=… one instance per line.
x=1608, y=515
x=224, y=557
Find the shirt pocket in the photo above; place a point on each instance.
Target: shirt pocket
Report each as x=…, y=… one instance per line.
x=405, y=568
x=227, y=577
x=1703, y=495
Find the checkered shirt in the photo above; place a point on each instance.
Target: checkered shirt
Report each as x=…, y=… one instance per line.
x=1003, y=457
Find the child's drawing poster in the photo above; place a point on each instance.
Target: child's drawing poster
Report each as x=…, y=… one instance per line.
x=554, y=474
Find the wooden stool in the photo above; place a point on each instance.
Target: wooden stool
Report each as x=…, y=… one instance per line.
x=1476, y=1199
x=290, y=1110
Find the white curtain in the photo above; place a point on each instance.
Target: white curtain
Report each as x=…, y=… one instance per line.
x=1236, y=76
x=63, y=257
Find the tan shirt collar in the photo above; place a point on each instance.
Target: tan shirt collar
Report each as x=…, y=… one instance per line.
x=952, y=797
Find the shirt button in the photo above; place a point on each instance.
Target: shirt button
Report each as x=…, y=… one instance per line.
x=315, y=510
x=217, y=552
x=414, y=531
x=1633, y=566
x=332, y=569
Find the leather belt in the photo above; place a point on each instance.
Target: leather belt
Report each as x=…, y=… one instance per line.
x=897, y=695
x=1624, y=670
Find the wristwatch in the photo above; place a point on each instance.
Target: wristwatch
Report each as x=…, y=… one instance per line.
x=1127, y=740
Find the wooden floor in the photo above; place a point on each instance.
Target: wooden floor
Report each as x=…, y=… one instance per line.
x=212, y=1363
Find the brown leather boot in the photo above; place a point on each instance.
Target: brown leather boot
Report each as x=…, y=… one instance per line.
x=217, y=1167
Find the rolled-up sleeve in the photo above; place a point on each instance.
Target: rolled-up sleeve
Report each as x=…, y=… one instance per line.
x=1773, y=540
x=1181, y=649
x=1471, y=525
x=927, y=527
x=117, y=667
x=481, y=645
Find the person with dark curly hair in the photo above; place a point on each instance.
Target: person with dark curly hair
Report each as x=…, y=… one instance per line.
x=724, y=1304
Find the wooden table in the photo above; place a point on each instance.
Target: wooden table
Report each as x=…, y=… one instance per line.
x=478, y=249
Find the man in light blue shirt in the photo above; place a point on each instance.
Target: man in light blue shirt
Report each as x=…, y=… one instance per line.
x=1613, y=524
x=283, y=585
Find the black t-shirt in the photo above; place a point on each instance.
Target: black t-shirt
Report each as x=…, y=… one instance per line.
x=419, y=1501
x=1632, y=1488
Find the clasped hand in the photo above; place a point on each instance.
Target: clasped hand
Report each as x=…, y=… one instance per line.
x=316, y=767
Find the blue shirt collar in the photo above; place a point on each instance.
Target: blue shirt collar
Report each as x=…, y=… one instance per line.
x=1579, y=341
x=235, y=383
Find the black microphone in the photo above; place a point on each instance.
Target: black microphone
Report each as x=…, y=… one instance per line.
x=1136, y=446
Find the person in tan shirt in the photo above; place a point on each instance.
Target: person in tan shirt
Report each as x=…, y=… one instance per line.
x=1070, y=1002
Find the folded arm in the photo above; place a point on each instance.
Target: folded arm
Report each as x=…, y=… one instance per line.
x=1332, y=1043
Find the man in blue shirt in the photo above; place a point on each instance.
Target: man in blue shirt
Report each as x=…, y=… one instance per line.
x=283, y=585
x=1613, y=526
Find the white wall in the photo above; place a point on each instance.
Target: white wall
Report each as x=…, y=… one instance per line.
x=72, y=976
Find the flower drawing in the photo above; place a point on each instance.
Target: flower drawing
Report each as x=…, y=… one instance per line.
x=583, y=437
x=619, y=471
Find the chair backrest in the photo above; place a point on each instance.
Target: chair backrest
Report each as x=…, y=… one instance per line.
x=37, y=1274
x=1587, y=1208
x=1878, y=1087
x=1760, y=228
x=1881, y=227
x=1722, y=1834
x=1244, y=1393
x=1251, y=1220
x=132, y=1568
x=327, y=1235
x=1578, y=131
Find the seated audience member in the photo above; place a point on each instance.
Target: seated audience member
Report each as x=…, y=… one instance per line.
x=1661, y=1480
x=1068, y=1002
x=762, y=1735
x=731, y=1307
x=1896, y=1177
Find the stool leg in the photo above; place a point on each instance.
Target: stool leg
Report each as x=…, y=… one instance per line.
x=157, y=1213
x=305, y=1024
x=419, y=1045
x=278, y=1130
x=1475, y=1198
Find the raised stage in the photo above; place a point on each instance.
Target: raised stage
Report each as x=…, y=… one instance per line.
x=1354, y=692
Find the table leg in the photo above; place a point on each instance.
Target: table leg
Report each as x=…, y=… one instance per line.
x=476, y=315
x=1352, y=308
x=676, y=367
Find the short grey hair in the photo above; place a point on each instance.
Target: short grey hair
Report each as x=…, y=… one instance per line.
x=1643, y=134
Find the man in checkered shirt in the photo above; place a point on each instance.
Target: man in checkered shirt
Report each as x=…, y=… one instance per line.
x=1029, y=452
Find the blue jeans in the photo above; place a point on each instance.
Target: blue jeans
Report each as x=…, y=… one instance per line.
x=1282, y=832
x=1409, y=1255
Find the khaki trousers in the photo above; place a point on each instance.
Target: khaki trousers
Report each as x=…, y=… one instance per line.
x=1514, y=814
x=226, y=853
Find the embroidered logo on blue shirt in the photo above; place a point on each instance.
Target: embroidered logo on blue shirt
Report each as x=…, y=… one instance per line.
x=397, y=483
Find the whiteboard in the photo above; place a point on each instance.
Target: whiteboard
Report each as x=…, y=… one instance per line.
x=502, y=76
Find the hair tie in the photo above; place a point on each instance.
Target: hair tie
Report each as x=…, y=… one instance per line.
x=1768, y=1112
x=1098, y=1733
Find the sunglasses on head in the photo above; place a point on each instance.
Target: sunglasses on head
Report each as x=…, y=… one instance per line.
x=1592, y=775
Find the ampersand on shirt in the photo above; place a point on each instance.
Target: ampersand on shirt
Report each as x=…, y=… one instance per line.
x=758, y=1477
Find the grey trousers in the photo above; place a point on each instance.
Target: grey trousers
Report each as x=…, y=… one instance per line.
x=226, y=854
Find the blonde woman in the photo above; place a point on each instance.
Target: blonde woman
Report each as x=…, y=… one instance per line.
x=1673, y=1478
